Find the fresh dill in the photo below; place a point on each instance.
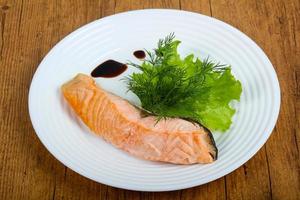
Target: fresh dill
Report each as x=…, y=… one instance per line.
x=169, y=86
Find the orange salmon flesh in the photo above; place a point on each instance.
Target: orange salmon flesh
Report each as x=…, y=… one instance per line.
x=172, y=140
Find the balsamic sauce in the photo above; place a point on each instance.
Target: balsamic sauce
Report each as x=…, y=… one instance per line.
x=140, y=54
x=109, y=69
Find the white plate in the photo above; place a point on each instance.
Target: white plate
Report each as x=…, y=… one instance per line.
x=116, y=37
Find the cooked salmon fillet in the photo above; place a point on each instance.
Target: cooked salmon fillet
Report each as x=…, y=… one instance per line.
x=123, y=125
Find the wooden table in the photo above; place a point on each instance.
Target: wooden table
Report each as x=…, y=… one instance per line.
x=30, y=28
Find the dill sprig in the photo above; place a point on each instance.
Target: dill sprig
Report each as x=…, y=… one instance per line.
x=169, y=86
x=163, y=83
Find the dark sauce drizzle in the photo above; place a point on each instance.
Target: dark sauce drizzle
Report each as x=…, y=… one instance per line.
x=109, y=69
x=112, y=68
x=140, y=54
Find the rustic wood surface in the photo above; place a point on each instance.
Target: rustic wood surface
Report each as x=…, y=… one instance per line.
x=30, y=28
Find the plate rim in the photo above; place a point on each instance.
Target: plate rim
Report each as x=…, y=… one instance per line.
x=268, y=129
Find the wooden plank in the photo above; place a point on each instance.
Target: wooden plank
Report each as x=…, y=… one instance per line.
x=21, y=167
x=199, y=6
x=283, y=146
x=211, y=191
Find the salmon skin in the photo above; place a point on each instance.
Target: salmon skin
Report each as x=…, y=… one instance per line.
x=172, y=140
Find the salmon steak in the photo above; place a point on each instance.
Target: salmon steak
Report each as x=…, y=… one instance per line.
x=122, y=124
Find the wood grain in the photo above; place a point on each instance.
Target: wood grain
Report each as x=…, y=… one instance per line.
x=30, y=28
